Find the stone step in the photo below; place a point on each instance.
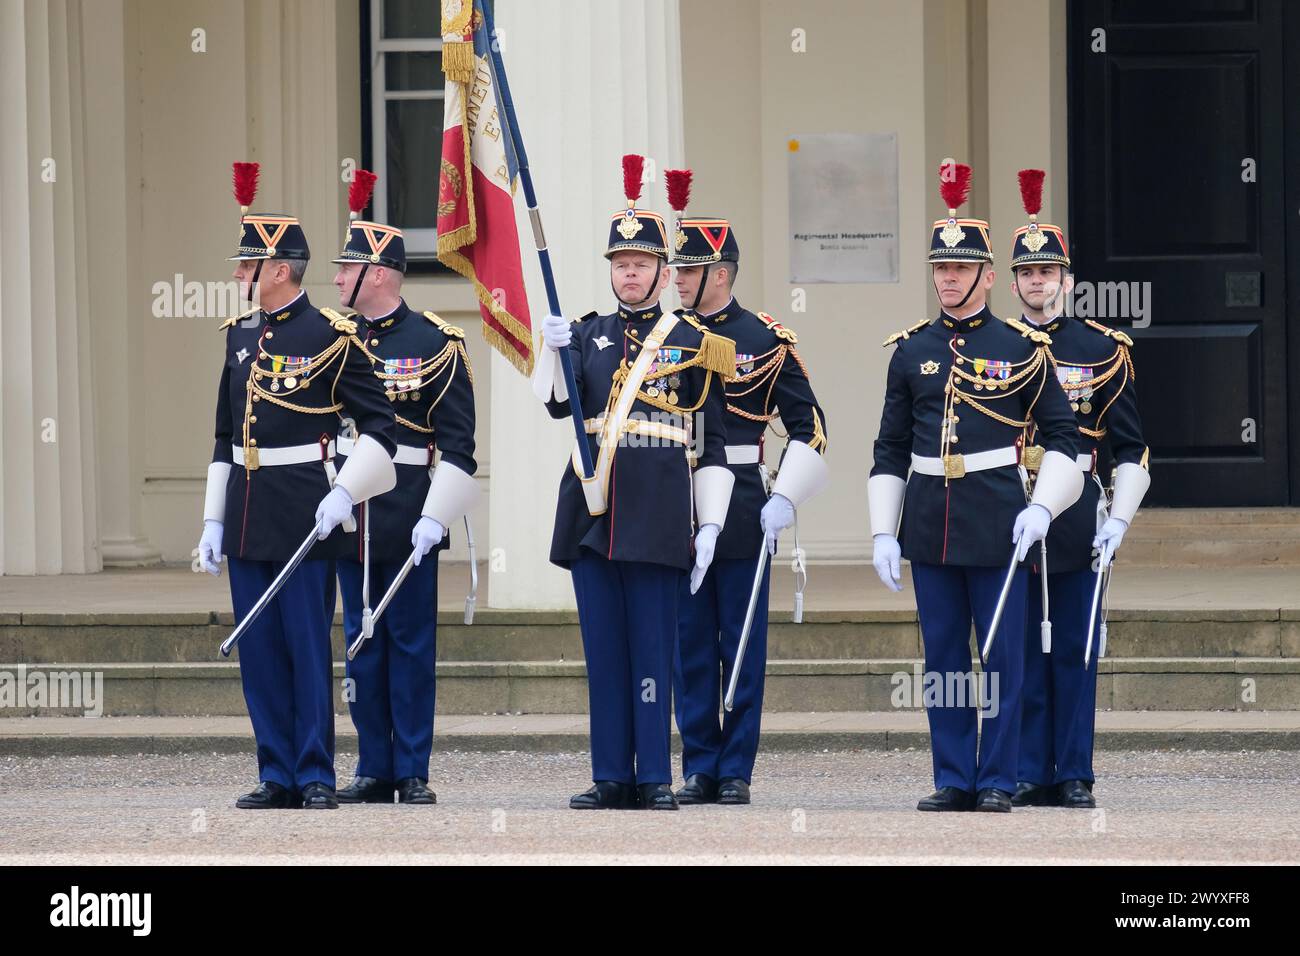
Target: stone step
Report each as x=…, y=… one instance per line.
x=569, y=733
x=543, y=687
x=554, y=636
x=1200, y=517
x=1214, y=537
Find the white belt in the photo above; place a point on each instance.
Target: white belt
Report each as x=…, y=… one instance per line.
x=742, y=454
x=287, y=455
x=638, y=426
x=406, y=454
x=1082, y=462
x=955, y=466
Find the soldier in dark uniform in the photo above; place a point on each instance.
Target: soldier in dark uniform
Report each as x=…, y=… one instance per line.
x=961, y=392
x=424, y=369
x=289, y=370
x=651, y=390
x=1093, y=365
x=770, y=382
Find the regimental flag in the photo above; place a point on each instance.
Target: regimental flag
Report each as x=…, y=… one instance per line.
x=476, y=214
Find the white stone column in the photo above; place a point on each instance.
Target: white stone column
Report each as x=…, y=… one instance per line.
x=47, y=499
x=591, y=81
x=113, y=203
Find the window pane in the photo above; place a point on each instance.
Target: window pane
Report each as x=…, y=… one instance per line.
x=413, y=71
x=414, y=155
x=412, y=18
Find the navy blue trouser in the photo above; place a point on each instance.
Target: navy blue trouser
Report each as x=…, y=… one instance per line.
x=708, y=635
x=393, y=672
x=628, y=614
x=286, y=665
x=1060, y=699
x=948, y=600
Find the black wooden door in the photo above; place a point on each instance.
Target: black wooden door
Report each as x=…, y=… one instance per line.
x=1178, y=129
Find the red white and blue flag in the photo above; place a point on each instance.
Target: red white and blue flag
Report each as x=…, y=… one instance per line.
x=477, y=235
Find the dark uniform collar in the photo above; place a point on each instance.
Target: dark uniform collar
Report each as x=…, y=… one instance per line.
x=297, y=307
x=384, y=323
x=977, y=321
x=732, y=308
x=648, y=314
x=1049, y=327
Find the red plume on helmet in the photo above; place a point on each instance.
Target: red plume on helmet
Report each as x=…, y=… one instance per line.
x=363, y=184
x=245, y=180
x=633, y=170
x=954, y=185
x=1031, y=191
x=679, y=188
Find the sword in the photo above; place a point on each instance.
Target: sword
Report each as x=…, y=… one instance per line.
x=730, y=699
x=1002, y=603
x=367, y=617
x=1103, y=565
x=471, y=599
x=265, y=599
x=383, y=604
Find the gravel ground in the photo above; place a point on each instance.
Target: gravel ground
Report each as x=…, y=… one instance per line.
x=1168, y=807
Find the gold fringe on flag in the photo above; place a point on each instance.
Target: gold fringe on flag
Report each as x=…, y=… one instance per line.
x=458, y=61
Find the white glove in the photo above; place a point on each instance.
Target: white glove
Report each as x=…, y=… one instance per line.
x=210, y=546
x=1109, y=538
x=886, y=555
x=776, y=516
x=1030, y=528
x=333, y=510
x=705, y=541
x=556, y=332
x=425, y=535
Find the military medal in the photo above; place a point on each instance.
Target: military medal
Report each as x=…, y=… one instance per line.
x=290, y=382
x=275, y=384
x=672, y=398
x=1085, y=407
x=652, y=392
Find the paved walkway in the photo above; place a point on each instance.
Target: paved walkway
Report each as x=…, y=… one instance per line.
x=512, y=808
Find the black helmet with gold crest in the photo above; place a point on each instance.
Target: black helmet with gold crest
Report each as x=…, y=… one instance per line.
x=1038, y=243
x=632, y=228
x=264, y=235
x=373, y=243
x=697, y=240
x=954, y=239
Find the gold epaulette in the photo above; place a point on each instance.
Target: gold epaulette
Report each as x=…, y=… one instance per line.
x=449, y=330
x=236, y=319
x=1121, y=337
x=786, y=335
x=905, y=333
x=1029, y=332
x=718, y=354
x=340, y=323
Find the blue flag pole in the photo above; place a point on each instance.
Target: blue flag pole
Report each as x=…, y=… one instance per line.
x=515, y=141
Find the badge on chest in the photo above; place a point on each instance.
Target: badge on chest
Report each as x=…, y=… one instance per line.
x=294, y=368
x=992, y=373
x=1077, y=382
x=665, y=385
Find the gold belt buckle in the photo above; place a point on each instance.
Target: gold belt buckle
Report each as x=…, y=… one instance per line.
x=251, y=460
x=954, y=466
x=1034, y=457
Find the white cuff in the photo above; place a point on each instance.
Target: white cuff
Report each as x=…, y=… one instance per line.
x=452, y=493
x=1131, y=484
x=885, y=503
x=1059, y=484
x=712, y=490
x=548, y=377
x=802, y=474
x=214, y=499
x=368, y=472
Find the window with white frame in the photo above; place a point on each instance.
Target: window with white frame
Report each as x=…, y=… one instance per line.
x=407, y=93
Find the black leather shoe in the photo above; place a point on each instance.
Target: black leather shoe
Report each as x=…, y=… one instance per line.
x=699, y=788
x=367, y=790
x=1077, y=794
x=992, y=800
x=946, y=798
x=733, y=791
x=317, y=796
x=604, y=795
x=657, y=796
x=1033, y=795
x=415, y=790
x=267, y=796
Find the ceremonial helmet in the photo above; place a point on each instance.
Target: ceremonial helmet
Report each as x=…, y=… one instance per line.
x=953, y=239
x=1038, y=242
x=373, y=243
x=264, y=235
x=633, y=228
